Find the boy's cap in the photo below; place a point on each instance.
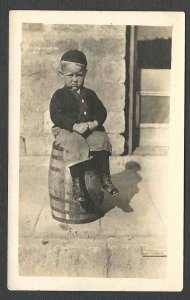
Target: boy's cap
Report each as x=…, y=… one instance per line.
x=75, y=56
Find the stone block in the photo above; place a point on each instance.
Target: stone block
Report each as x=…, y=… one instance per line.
x=117, y=142
x=30, y=33
x=61, y=45
x=49, y=40
x=125, y=262
x=112, y=96
x=88, y=259
x=31, y=122
x=68, y=36
x=114, y=48
x=114, y=71
x=126, y=259
x=22, y=146
x=83, y=31
x=115, y=122
x=117, y=163
x=104, y=49
x=55, y=257
x=110, y=31
x=47, y=122
x=72, y=28
x=153, y=267
x=34, y=161
x=78, y=32
x=39, y=80
x=94, y=74
x=34, y=258
x=40, y=145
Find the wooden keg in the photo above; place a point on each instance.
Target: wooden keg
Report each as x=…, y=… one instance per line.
x=63, y=208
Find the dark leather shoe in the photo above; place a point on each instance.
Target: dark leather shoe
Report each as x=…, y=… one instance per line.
x=108, y=186
x=78, y=194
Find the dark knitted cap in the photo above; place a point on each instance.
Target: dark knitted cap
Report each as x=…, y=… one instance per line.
x=75, y=56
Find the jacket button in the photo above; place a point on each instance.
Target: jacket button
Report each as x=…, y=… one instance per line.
x=82, y=101
x=85, y=113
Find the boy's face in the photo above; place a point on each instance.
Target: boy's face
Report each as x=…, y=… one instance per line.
x=73, y=76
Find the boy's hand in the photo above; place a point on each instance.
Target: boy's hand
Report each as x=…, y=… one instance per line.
x=92, y=125
x=81, y=127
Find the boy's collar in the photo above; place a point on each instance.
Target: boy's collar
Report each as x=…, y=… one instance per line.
x=79, y=91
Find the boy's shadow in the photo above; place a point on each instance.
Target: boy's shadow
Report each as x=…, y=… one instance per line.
x=126, y=181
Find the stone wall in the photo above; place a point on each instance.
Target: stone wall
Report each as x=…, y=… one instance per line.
x=42, y=47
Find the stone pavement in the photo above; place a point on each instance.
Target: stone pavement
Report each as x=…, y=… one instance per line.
x=129, y=241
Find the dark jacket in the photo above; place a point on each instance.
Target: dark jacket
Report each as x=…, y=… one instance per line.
x=65, y=108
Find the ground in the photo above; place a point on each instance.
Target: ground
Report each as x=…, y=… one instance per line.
x=129, y=241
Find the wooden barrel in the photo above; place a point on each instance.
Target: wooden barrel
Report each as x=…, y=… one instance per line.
x=63, y=208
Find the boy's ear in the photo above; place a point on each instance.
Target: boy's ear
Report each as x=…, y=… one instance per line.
x=59, y=68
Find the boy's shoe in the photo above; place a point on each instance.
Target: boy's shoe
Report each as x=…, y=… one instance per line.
x=108, y=186
x=78, y=194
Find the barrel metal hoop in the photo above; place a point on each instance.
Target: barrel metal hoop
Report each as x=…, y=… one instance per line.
x=77, y=214
x=76, y=221
x=55, y=169
x=57, y=157
x=58, y=198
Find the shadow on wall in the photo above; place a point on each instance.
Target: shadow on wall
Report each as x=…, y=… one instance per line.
x=127, y=183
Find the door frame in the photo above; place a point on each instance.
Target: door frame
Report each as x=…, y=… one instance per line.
x=132, y=90
x=134, y=97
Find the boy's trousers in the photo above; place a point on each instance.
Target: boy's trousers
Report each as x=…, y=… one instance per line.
x=76, y=148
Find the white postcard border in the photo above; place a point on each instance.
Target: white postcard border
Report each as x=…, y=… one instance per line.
x=174, y=278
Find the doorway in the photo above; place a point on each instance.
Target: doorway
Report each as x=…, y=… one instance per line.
x=149, y=90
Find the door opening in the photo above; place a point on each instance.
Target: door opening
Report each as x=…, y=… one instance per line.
x=148, y=90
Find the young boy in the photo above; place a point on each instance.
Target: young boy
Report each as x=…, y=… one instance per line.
x=78, y=116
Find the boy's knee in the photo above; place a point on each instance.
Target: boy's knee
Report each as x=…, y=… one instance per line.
x=79, y=141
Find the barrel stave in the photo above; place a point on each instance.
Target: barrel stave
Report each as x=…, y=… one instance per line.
x=63, y=208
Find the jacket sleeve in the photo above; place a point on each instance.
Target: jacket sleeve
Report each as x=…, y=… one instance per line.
x=58, y=116
x=100, y=113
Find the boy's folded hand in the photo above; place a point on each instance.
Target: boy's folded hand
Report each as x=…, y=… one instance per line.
x=80, y=128
x=92, y=125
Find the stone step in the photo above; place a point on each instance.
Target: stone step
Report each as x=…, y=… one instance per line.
x=97, y=257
